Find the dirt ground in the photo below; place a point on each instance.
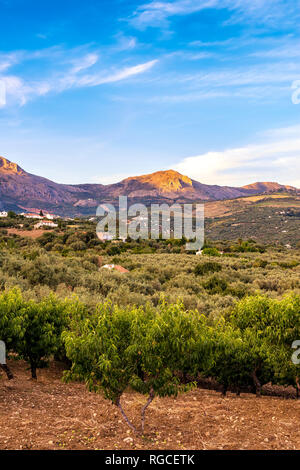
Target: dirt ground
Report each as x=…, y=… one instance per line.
x=49, y=414
x=28, y=233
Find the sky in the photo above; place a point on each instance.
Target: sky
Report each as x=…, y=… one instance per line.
x=96, y=91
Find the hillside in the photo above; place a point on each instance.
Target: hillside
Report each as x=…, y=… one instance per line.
x=20, y=190
x=69, y=264
x=269, y=219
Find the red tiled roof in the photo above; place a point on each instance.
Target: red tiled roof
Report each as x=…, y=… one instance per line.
x=121, y=269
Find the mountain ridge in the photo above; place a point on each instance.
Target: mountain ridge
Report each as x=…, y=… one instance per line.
x=20, y=189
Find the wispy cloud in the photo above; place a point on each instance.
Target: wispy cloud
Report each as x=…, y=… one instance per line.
x=274, y=158
x=84, y=63
x=115, y=76
x=286, y=51
x=158, y=13
x=267, y=82
x=246, y=75
x=70, y=72
x=124, y=43
x=8, y=60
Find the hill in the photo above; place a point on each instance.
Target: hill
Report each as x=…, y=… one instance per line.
x=269, y=218
x=20, y=190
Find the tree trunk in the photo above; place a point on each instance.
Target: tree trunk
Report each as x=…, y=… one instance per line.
x=256, y=383
x=33, y=371
x=149, y=401
x=118, y=404
x=224, y=390
x=7, y=371
x=297, y=388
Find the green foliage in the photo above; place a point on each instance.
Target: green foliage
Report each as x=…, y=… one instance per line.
x=208, y=267
x=240, y=359
x=150, y=349
x=237, y=317
x=163, y=344
x=118, y=347
x=11, y=324
x=32, y=329
x=98, y=347
x=275, y=323
x=211, y=251
x=42, y=325
x=215, y=285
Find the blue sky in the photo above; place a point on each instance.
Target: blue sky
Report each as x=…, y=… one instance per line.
x=100, y=90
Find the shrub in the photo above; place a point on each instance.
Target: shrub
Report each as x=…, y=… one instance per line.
x=211, y=252
x=215, y=285
x=205, y=268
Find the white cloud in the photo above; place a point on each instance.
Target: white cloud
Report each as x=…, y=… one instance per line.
x=275, y=158
x=8, y=60
x=241, y=76
x=285, y=52
x=116, y=76
x=19, y=90
x=262, y=82
x=85, y=62
x=157, y=13
x=124, y=43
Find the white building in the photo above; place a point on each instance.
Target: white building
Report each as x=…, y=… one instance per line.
x=31, y=215
x=35, y=215
x=3, y=214
x=49, y=216
x=45, y=223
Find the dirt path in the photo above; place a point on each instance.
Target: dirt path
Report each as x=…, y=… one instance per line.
x=52, y=415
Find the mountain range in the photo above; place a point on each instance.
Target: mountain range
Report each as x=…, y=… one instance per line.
x=21, y=191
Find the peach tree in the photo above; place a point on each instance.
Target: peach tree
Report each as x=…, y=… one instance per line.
x=144, y=349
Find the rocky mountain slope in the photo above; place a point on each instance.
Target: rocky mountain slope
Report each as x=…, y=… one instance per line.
x=20, y=190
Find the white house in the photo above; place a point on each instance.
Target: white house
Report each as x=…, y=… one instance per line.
x=45, y=223
x=32, y=215
x=49, y=216
x=35, y=215
x=3, y=214
x=115, y=267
